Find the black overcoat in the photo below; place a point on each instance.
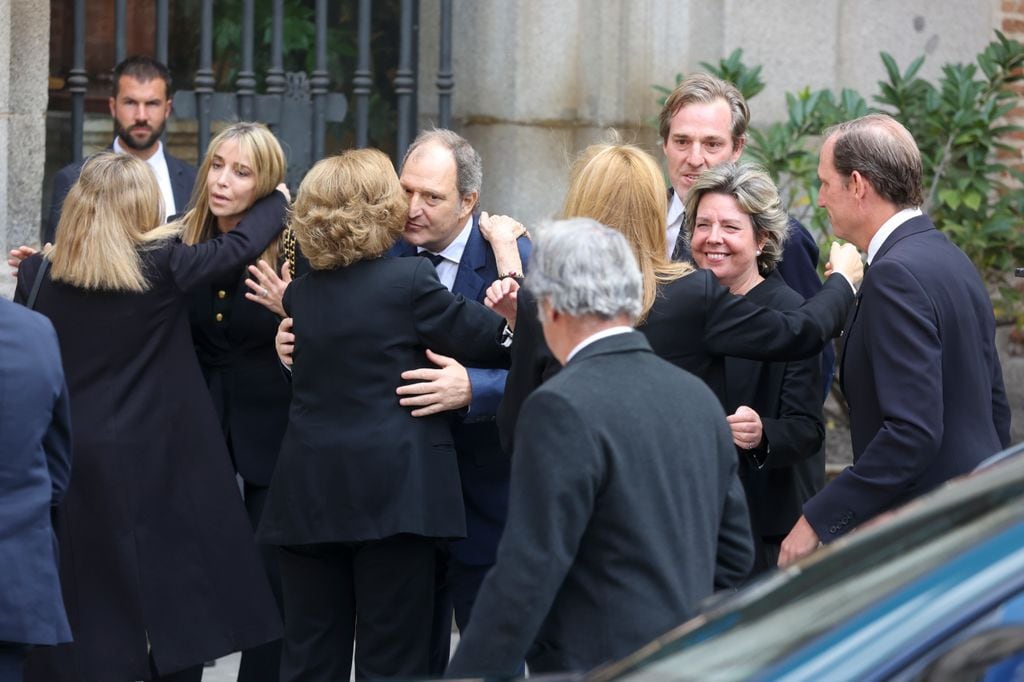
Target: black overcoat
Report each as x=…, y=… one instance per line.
x=355, y=465
x=155, y=547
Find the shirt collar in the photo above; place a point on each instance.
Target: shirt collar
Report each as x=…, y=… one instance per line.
x=888, y=227
x=453, y=252
x=158, y=155
x=675, y=208
x=603, y=334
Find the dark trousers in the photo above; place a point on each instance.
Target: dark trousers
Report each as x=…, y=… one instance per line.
x=377, y=594
x=262, y=663
x=12, y=661
x=192, y=674
x=456, y=587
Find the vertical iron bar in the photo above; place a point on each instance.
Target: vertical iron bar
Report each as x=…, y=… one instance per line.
x=77, y=83
x=120, y=29
x=275, y=80
x=445, y=76
x=161, y=31
x=362, y=80
x=204, y=78
x=245, y=84
x=319, y=81
x=404, y=78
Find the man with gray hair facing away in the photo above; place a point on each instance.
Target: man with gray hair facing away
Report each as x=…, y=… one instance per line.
x=624, y=498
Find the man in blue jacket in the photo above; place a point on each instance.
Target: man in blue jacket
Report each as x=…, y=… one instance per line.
x=442, y=175
x=919, y=366
x=35, y=465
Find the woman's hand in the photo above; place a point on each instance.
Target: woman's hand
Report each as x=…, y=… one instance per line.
x=502, y=233
x=284, y=341
x=501, y=228
x=283, y=189
x=502, y=297
x=267, y=287
x=15, y=256
x=845, y=259
x=746, y=427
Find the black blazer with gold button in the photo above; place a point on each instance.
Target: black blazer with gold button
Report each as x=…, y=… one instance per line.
x=234, y=340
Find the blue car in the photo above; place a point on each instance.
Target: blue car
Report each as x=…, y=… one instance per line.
x=934, y=591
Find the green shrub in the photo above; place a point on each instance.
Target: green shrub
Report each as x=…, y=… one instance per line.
x=972, y=193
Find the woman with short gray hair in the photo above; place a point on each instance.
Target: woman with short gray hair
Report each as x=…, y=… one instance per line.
x=736, y=227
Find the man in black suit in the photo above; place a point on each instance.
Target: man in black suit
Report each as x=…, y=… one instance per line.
x=919, y=368
x=140, y=105
x=626, y=509
x=35, y=465
x=704, y=123
x=442, y=175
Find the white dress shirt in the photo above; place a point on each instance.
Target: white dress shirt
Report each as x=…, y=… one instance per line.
x=603, y=334
x=452, y=254
x=163, y=177
x=888, y=227
x=675, y=223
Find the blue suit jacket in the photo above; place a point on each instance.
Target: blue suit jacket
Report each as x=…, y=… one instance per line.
x=183, y=177
x=35, y=465
x=921, y=376
x=483, y=465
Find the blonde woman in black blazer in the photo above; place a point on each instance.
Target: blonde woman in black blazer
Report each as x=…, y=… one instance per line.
x=362, y=489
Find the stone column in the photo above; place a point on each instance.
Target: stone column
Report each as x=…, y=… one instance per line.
x=24, y=72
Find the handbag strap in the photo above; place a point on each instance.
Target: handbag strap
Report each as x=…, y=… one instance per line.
x=38, y=282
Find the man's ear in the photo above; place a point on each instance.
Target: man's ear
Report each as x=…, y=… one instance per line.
x=468, y=204
x=112, y=103
x=860, y=184
x=737, y=151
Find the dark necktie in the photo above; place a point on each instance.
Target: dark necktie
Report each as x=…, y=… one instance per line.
x=435, y=258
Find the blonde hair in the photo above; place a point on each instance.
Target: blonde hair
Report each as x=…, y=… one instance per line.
x=349, y=208
x=268, y=165
x=621, y=186
x=113, y=210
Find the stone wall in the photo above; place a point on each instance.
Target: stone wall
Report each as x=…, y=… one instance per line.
x=1012, y=24
x=23, y=79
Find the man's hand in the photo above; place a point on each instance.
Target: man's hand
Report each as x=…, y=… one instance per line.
x=502, y=298
x=800, y=542
x=438, y=390
x=845, y=260
x=746, y=427
x=284, y=341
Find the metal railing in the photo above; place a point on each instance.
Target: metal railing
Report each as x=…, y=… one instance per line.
x=283, y=102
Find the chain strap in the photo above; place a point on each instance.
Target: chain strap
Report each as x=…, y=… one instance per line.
x=288, y=241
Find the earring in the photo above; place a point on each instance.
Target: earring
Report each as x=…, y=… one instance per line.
x=759, y=252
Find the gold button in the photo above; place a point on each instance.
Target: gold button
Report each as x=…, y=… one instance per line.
x=219, y=317
x=222, y=294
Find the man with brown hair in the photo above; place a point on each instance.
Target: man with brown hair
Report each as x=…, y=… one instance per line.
x=919, y=368
x=139, y=104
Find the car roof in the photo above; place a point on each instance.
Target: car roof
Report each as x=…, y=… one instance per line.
x=782, y=619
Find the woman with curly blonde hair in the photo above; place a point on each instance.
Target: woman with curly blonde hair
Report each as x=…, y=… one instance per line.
x=362, y=489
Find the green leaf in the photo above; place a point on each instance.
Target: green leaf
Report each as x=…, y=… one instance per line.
x=950, y=197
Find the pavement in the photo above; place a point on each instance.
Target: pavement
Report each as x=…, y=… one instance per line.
x=226, y=669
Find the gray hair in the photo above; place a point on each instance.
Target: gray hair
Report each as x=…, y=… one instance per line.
x=757, y=196
x=884, y=152
x=583, y=268
x=469, y=169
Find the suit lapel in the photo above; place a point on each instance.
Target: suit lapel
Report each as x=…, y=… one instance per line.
x=179, y=183
x=471, y=279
